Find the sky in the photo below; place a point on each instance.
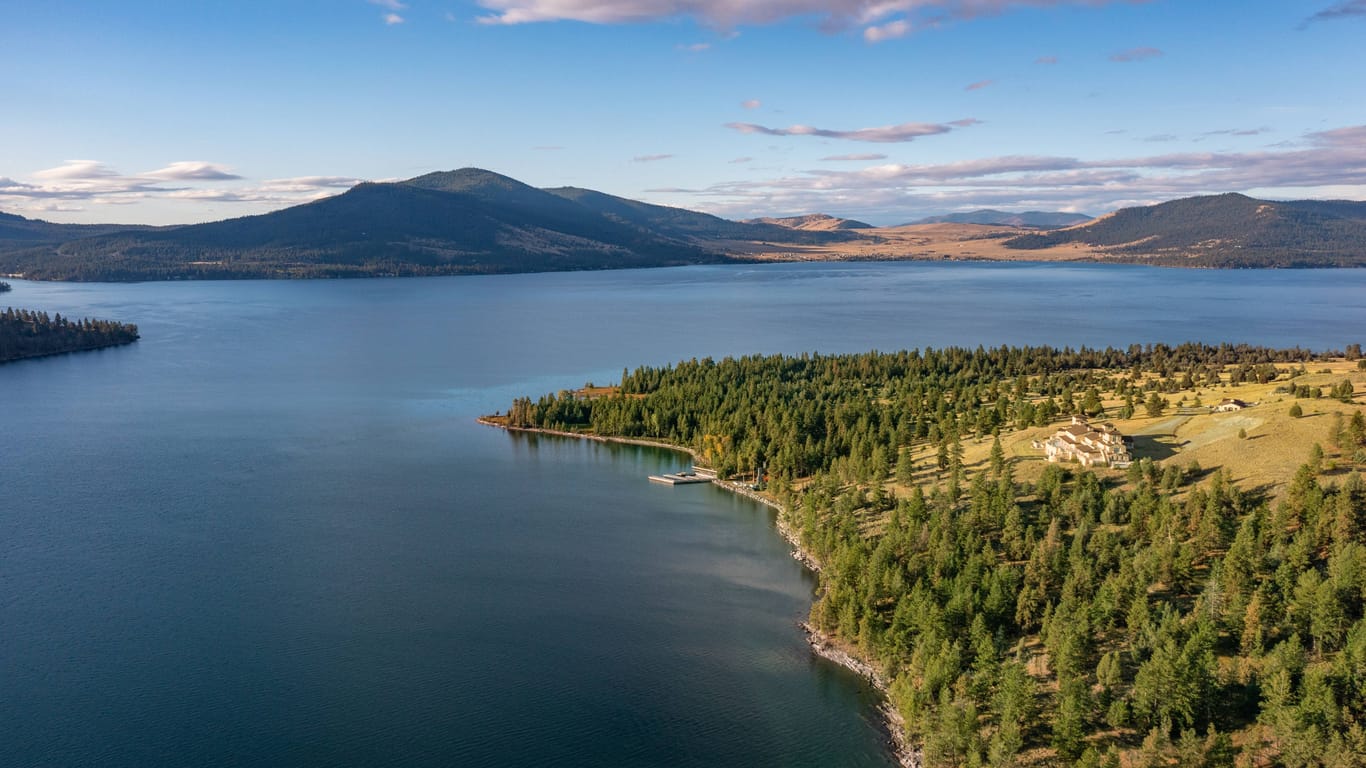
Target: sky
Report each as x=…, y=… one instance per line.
x=166, y=112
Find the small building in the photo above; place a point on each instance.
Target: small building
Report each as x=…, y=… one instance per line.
x=1088, y=444
x=1230, y=404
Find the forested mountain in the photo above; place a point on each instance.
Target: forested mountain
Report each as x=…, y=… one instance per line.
x=1038, y=219
x=455, y=222
x=17, y=230
x=1162, y=616
x=24, y=333
x=1229, y=230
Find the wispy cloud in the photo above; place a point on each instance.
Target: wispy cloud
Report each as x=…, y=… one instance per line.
x=1136, y=54
x=883, y=134
x=193, y=170
x=751, y=103
x=1342, y=10
x=979, y=85
x=880, y=19
x=855, y=158
x=392, y=5
x=650, y=158
x=76, y=170
x=1046, y=60
x=393, y=18
x=693, y=47
x=1333, y=158
x=548, y=148
x=736, y=161
x=889, y=31
x=96, y=183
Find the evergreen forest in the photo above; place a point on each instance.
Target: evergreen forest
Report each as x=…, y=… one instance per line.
x=26, y=333
x=1156, y=615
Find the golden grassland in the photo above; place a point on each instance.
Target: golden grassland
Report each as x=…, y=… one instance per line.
x=929, y=242
x=1274, y=446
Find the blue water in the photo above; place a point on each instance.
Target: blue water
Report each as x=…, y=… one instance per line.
x=270, y=532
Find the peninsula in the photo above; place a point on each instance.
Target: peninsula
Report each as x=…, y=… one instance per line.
x=25, y=333
x=1199, y=603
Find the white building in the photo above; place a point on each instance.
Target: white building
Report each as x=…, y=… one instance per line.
x=1088, y=444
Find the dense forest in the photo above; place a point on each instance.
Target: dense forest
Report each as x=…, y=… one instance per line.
x=1157, y=616
x=24, y=333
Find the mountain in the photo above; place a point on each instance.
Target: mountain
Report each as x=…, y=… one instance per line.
x=818, y=222
x=1229, y=230
x=15, y=230
x=451, y=222
x=1037, y=219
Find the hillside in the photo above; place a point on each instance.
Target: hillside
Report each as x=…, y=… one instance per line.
x=454, y=222
x=17, y=230
x=1228, y=230
x=988, y=216
x=1199, y=606
x=819, y=222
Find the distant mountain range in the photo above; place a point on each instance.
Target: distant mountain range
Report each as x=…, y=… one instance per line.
x=473, y=221
x=815, y=222
x=1228, y=230
x=454, y=222
x=1037, y=219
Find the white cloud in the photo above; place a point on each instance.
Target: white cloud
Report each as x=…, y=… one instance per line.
x=649, y=158
x=392, y=5
x=94, y=182
x=186, y=170
x=392, y=18
x=76, y=170
x=834, y=14
x=886, y=134
x=1328, y=160
x=889, y=31
x=751, y=103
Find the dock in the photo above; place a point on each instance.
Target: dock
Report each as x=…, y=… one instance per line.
x=684, y=478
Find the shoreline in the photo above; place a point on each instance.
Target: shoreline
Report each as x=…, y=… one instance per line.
x=820, y=643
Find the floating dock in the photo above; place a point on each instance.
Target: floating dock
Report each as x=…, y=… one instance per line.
x=684, y=478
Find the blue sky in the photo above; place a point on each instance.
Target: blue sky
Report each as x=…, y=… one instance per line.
x=146, y=111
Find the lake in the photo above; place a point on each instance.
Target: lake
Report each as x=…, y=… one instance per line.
x=271, y=532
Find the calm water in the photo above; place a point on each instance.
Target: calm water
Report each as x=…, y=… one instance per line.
x=270, y=532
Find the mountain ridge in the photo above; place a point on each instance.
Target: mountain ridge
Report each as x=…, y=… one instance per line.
x=1228, y=230
x=475, y=221
x=1038, y=219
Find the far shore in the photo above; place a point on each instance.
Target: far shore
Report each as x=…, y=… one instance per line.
x=821, y=644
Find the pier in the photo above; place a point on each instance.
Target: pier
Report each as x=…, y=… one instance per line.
x=684, y=478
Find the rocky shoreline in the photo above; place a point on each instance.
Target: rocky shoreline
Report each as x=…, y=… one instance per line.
x=821, y=644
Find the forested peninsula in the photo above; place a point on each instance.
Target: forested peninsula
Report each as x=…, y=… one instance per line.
x=26, y=333
x=1202, y=606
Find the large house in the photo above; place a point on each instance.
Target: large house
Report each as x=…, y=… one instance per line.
x=1231, y=404
x=1089, y=444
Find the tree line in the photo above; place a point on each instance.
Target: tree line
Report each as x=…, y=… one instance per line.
x=1163, y=616
x=26, y=333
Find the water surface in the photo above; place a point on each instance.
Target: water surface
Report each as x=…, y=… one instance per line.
x=270, y=532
